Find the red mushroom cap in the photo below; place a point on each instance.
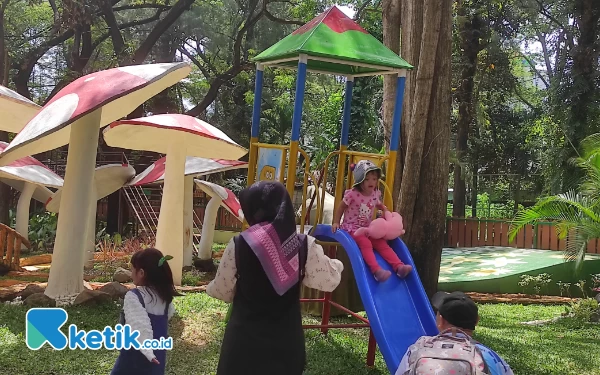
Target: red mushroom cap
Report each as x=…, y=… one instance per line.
x=158, y=133
x=229, y=201
x=118, y=91
x=193, y=167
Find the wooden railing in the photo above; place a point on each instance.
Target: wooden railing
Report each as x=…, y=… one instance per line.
x=475, y=232
x=10, y=247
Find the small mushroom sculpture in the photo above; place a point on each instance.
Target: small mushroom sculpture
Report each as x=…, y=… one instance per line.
x=31, y=178
x=107, y=179
x=74, y=116
x=220, y=197
x=194, y=167
x=15, y=110
x=177, y=136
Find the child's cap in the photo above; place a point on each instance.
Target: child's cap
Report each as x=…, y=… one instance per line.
x=361, y=169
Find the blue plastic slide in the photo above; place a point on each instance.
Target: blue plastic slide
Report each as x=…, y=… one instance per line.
x=398, y=310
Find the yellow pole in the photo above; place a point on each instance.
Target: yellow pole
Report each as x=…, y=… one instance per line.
x=252, y=160
x=390, y=175
x=339, y=185
x=293, y=162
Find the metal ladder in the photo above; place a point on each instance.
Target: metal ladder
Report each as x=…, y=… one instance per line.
x=147, y=216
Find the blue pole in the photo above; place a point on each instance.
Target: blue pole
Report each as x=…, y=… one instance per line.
x=299, y=100
x=347, y=108
x=296, y=120
x=396, y=126
x=258, y=87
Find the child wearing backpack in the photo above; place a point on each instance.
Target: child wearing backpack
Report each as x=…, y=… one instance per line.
x=147, y=309
x=453, y=351
x=357, y=208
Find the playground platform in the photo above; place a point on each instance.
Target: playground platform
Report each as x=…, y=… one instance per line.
x=498, y=269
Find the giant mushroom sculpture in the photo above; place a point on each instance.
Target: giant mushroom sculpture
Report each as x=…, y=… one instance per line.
x=177, y=136
x=194, y=167
x=74, y=116
x=107, y=179
x=16, y=110
x=220, y=197
x=31, y=178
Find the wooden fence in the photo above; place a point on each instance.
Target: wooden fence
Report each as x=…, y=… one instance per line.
x=475, y=232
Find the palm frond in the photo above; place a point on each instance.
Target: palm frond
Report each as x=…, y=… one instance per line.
x=576, y=213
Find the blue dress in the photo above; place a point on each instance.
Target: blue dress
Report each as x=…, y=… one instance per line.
x=132, y=361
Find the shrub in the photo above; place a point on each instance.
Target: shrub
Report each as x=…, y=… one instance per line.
x=583, y=310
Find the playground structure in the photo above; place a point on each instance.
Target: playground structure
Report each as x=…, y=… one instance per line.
x=398, y=310
x=329, y=44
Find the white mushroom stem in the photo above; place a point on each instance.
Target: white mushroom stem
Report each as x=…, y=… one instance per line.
x=188, y=221
x=22, y=225
x=66, y=273
x=90, y=246
x=170, y=219
x=208, y=228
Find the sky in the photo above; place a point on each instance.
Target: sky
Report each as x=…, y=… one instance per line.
x=347, y=10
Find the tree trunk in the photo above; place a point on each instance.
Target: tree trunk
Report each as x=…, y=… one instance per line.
x=426, y=35
x=469, y=33
x=391, y=38
x=474, y=190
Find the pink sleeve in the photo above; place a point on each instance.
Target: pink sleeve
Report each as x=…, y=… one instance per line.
x=348, y=197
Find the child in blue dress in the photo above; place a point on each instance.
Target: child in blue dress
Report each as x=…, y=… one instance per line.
x=147, y=309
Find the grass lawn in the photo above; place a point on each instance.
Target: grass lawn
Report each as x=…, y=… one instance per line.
x=558, y=348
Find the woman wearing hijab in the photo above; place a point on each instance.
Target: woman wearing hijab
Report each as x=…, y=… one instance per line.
x=260, y=272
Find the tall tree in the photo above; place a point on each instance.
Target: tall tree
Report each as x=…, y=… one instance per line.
x=422, y=188
x=470, y=29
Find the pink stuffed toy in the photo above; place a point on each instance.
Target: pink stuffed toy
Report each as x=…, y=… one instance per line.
x=388, y=227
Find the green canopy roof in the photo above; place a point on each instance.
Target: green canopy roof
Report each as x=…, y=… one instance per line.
x=334, y=43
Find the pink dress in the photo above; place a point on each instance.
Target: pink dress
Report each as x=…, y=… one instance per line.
x=359, y=213
x=360, y=209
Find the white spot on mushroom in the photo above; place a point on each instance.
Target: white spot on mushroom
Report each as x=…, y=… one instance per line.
x=51, y=116
x=89, y=79
x=147, y=72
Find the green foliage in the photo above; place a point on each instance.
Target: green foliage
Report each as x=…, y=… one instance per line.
x=583, y=309
x=577, y=213
x=564, y=288
x=537, y=282
x=42, y=231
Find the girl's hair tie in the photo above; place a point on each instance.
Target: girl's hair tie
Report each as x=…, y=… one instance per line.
x=352, y=166
x=163, y=259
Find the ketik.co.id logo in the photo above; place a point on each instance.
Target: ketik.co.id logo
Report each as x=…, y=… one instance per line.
x=43, y=326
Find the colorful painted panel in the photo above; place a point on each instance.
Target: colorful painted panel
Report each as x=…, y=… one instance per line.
x=270, y=165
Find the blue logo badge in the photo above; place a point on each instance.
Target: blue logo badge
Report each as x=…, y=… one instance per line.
x=43, y=325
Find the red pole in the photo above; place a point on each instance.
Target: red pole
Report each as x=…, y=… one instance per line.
x=371, y=350
x=327, y=299
x=326, y=312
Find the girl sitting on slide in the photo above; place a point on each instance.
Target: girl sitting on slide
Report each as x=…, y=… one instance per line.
x=357, y=208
